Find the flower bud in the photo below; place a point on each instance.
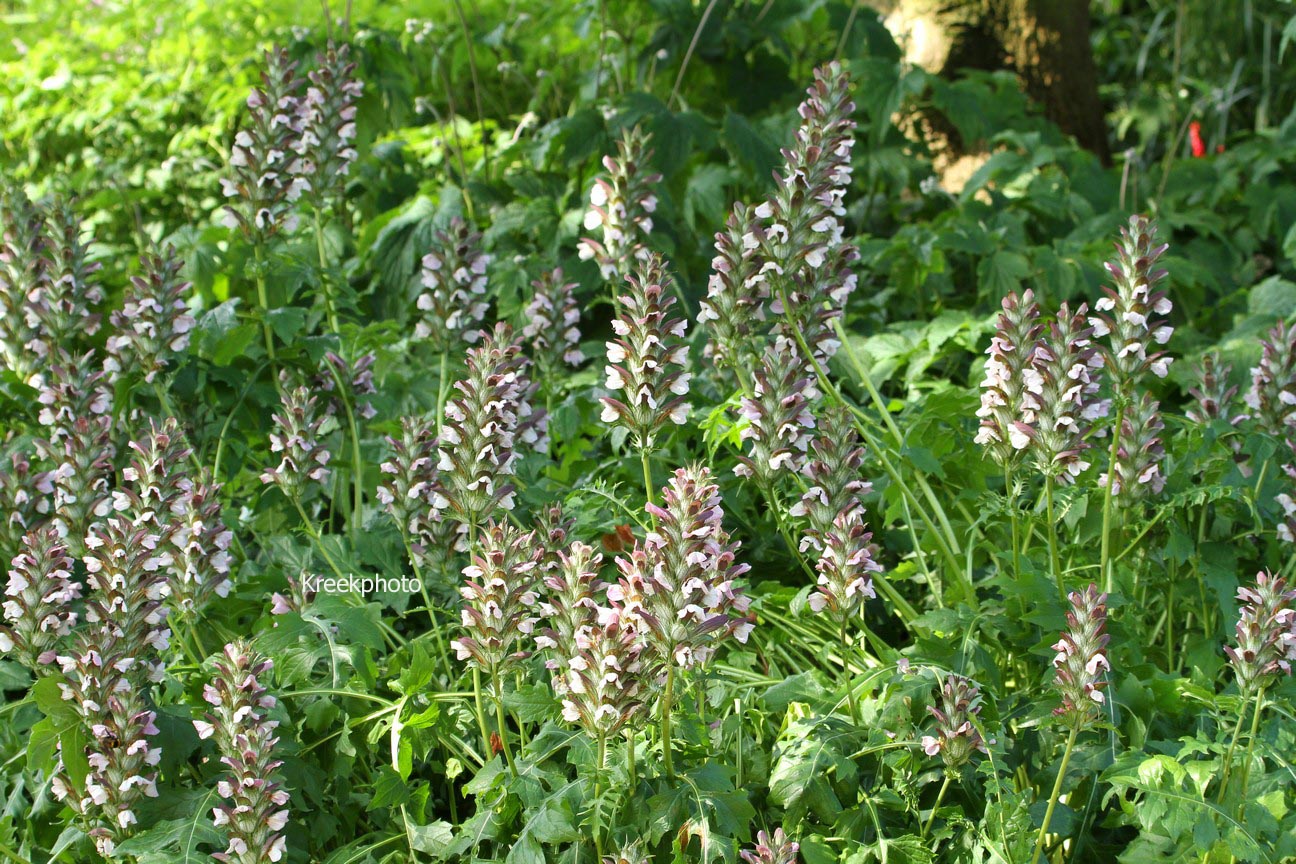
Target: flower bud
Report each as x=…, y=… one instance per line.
x=1266, y=633
x=1081, y=659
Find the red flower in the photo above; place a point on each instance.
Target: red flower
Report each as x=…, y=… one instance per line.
x=1195, y=140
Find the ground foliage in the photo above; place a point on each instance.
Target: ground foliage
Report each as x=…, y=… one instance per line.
x=391, y=745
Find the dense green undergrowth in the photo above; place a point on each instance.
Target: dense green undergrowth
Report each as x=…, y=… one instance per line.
x=787, y=378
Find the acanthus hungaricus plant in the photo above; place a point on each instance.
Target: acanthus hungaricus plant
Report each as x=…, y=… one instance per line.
x=644, y=470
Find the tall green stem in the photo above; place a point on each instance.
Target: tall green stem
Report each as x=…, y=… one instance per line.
x=1104, y=561
x=647, y=473
x=442, y=393
x=664, y=718
x=264, y=302
x=330, y=305
x=1010, y=491
x=1054, y=563
x=1053, y=797
x=850, y=685
x=481, y=714
x=598, y=792
x=940, y=796
x=1246, y=759
x=501, y=722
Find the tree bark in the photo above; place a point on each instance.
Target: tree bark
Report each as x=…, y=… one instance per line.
x=1045, y=42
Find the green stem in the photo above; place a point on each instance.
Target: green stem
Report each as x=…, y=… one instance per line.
x=940, y=796
x=357, y=461
x=1010, y=491
x=442, y=393
x=427, y=603
x=850, y=685
x=501, y=722
x=631, y=759
x=481, y=714
x=647, y=473
x=665, y=719
x=309, y=525
x=1104, y=562
x=1053, y=797
x=1251, y=739
x=1054, y=563
x=598, y=792
x=330, y=306
x=264, y=302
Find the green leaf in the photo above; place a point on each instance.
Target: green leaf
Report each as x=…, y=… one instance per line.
x=749, y=147
x=389, y=789
x=433, y=839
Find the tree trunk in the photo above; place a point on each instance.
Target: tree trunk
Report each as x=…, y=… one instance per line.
x=1046, y=42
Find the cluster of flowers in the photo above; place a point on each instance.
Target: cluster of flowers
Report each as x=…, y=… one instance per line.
x=1269, y=406
x=107, y=672
x=787, y=255
x=255, y=810
x=607, y=644
x=957, y=736
x=622, y=205
x=1266, y=633
x=155, y=546
x=646, y=361
x=1081, y=659
x=453, y=303
x=292, y=144
x=47, y=286
x=1040, y=395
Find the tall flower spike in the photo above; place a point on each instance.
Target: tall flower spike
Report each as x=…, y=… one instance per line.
x=1132, y=314
x=806, y=259
x=622, y=205
x=1081, y=659
x=328, y=129
x=569, y=607
x=1212, y=392
x=154, y=323
x=200, y=555
x=296, y=436
x=1067, y=363
x=646, y=361
x=409, y=476
x=264, y=179
x=484, y=424
x=835, y=487
x=779, y=422
x=956, y=737
x=83, y=465
x=60, y=310
x=38, y=599
x=846, y=567
x=499, y=593
x=734, y=306
x=255, y=810
x=453, y=303
x=776, y=849
x=1272, y=397
x=24, y=498
x=156, y=481
x=1010, y=392
x=22, y=274
x=116, y=656
x=552, y=318
x=74, y=387
x=1287, y=527
x=357, y=384
x=605, y=675
x=680, y=585
x=1139, y=452
x=1266, y=633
